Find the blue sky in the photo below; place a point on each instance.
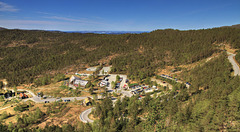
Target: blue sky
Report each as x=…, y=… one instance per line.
x=118, y=15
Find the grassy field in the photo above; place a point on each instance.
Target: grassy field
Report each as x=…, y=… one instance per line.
x=57, y=90
x=55, y=113
x=7, y=103
x=13, y=114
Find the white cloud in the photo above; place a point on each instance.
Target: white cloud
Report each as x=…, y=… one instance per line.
x=77, y=21
x=34, y=24
x=83, y=21
x=45, y=13
x=6, y=7
x=26, y=22
x=47, y=25
x=67, y=25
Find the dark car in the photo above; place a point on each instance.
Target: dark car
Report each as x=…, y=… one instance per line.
x=67, y=100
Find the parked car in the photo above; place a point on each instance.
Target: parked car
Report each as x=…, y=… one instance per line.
x=120, y=79
x=118, y=84
x=67, y=100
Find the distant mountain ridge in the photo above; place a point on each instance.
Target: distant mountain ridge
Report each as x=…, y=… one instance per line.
x=95, y=32
x=109, y=32
x=234, y=26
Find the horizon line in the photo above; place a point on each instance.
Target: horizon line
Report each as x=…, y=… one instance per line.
x=113, y=30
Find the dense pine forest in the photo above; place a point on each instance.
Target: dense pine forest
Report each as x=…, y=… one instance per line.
x=26, y=54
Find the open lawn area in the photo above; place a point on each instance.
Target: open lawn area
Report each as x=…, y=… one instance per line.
x=58, y=90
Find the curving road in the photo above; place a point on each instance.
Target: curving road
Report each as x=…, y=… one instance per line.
x=84, y=116
x=234, y=63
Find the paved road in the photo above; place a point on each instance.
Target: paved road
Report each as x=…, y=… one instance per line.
x=37, y=99
x=234, y=63
x=84, y=116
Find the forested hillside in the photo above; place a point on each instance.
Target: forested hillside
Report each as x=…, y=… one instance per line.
x=27, y=54
x=237, y=57
x=214, y=108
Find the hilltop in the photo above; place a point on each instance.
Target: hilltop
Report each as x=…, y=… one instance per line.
x=234, y=26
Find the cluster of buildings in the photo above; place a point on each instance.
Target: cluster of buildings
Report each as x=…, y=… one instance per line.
x=10, y=93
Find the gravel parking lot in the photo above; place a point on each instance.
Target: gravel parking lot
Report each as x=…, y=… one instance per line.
x=106, y=69
x=91, y=69
x=112, y=77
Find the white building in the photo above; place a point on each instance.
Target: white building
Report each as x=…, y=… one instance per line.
x=77, y=81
